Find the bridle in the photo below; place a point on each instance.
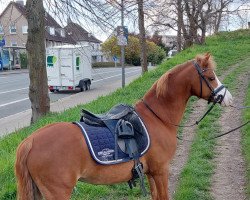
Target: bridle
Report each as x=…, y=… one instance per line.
x=211, y=98
x=214, y=92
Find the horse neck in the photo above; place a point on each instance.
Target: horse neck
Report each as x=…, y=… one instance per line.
x=170, y=107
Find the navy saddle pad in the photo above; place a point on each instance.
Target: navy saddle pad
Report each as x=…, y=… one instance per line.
x=101, y=143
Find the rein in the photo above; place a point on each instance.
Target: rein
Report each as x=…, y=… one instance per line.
x=220, y=135
x=178, y=125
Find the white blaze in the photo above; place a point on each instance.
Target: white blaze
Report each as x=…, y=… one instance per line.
x=228, y=99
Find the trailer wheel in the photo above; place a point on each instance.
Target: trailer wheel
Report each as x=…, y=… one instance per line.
x=88, y=86
x=83, y=87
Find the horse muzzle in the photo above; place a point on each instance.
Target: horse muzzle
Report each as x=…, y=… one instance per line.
x=223, y=96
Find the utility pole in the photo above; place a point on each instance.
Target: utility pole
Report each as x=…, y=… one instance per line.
x=122, y=46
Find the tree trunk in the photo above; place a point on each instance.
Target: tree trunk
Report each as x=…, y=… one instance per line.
x=38, y=89
x=217, y=22
x=142, y=36
x=179, y=24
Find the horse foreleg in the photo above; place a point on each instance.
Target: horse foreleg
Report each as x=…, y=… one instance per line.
x=152, y=186
x=161, y=183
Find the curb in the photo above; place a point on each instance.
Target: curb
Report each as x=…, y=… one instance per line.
x=18, y=71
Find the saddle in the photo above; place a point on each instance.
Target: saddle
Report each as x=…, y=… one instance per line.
x=128, y=131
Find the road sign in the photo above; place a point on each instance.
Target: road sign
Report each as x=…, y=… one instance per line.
x=115, y=58
x=122, y=35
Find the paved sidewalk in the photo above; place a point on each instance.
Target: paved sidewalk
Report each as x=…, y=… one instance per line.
x=17, y=121
x=16, y=71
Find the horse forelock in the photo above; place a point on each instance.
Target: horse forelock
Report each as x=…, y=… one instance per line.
x=206, y=61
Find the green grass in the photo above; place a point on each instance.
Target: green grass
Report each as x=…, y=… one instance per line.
x=246, y=139
x=195, y=179
x=227, y=48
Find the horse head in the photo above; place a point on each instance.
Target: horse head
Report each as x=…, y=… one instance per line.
x=206, y=84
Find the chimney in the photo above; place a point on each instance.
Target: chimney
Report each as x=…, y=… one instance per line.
x=20, y=2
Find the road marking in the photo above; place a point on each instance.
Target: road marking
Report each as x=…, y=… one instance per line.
x=6, y=104
x=14, y=90
x=115, y=76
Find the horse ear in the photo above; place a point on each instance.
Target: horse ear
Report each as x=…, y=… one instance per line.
x=162, y=85
x=207, y=56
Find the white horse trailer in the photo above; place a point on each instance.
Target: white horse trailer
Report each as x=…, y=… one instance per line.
x=68, y=67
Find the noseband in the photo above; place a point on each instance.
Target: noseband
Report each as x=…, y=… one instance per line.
x=214, y=92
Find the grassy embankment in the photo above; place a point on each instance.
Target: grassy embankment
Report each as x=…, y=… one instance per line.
x=227, y=48
x=246, y=139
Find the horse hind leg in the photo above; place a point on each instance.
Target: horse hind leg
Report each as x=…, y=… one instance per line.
x=26, y=188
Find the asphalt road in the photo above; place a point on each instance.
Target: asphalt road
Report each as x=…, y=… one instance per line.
x=14, y=88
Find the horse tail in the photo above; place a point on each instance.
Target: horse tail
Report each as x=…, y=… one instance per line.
x=26, y=188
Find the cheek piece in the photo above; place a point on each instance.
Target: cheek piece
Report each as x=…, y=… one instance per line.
x=214, y=92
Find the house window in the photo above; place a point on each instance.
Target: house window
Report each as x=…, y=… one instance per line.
x=62, y=32
x=13, y=43
x=51, y=30
x=1, y=29
x=25, y=29
x=13, y=28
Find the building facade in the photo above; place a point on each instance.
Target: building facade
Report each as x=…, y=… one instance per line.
x=82, y=37
x=14, y=30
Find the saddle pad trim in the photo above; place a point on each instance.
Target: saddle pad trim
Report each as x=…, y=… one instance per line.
x=145, y=131
x=112, y=161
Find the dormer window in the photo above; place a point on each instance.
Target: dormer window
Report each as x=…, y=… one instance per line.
x=51, y=30
x=13, y=28
x=62, y=32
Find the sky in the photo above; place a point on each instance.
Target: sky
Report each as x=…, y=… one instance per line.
x=232, y=23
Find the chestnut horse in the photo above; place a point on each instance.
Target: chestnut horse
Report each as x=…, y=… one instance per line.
x=51, y=160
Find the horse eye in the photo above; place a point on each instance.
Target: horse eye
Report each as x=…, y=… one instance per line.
x=211, y=79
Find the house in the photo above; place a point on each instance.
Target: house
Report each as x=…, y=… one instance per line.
x=14, y=30
x=82, y=37
x=14, y=27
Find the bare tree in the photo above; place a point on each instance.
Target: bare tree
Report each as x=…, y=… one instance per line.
x=38, y=89
x=190, y=19
x=104, y=14
x=142, y=36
